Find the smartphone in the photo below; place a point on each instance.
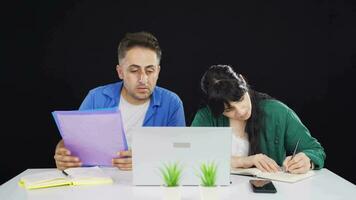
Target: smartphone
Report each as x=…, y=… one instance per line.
x=262, y=186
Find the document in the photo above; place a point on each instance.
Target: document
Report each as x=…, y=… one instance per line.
x=277, y=176
x=70, y=176
x=94, y=136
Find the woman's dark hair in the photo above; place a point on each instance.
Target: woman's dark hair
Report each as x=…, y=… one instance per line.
x=221, y=85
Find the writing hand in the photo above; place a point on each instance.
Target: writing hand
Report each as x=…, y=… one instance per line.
x=300, y=164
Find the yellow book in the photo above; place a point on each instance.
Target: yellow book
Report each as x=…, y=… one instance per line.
x=277, y=176
x=70, y=176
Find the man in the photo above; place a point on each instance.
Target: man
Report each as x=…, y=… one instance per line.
x=140, y=101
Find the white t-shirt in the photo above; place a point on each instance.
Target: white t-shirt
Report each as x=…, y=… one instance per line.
x=132, y=116
x=240, y=146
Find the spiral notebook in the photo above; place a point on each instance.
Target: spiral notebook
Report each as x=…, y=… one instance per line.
x=277, y=176
x=70, y=176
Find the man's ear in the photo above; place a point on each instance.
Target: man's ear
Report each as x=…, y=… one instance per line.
x=120, y=71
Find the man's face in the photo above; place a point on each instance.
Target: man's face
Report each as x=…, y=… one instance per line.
x=139, y=70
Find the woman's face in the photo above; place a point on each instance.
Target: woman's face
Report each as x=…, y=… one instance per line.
x=239, y=110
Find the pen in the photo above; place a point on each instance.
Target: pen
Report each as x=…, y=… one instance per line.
x=295, y=149
x=65, y=173
x=283, y=168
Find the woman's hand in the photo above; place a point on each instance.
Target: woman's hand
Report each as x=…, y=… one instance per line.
x=300, y=164
x=264, y=163
x=261, y=161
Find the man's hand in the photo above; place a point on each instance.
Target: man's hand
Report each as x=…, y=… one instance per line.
x=64, y=159
x=300, y=164
x=124, y=162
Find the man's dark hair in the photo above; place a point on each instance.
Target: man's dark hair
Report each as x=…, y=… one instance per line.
x=138, y=39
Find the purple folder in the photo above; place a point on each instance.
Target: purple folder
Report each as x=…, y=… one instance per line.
x=94, y=136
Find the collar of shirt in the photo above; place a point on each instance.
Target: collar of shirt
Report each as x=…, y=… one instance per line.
x=155, y=100
x=115, y=92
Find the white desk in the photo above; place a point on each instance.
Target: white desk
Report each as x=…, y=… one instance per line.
x=324, y=185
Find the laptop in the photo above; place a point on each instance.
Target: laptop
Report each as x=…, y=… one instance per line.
x=154, y=147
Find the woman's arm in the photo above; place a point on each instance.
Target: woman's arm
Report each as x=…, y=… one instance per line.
x=203, y=118
x=296, y=130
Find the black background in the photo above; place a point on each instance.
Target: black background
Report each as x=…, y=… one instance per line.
x=53, y=52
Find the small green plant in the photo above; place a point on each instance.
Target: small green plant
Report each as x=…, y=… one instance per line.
x=208, y=171
x=171, y=173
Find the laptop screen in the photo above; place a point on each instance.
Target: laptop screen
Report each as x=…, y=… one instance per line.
x=154, y=147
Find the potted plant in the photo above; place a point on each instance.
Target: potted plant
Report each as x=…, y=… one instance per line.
x=171, y=174
x=208, y=188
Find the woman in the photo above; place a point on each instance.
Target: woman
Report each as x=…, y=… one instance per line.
x=264, y=129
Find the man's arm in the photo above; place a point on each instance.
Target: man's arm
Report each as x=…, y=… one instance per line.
x=88, y=102
x=177, y=118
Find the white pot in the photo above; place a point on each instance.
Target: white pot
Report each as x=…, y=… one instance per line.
x=209, y=193
x=171, y=193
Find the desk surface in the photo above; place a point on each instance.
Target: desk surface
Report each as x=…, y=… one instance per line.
x=324, y=185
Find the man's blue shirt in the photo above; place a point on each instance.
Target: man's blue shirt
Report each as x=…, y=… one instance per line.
x=165, y=109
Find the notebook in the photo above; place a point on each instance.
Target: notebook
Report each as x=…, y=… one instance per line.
x=278, y=176
x=70, y=176
x=95, y=136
